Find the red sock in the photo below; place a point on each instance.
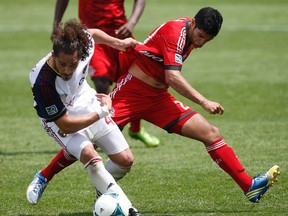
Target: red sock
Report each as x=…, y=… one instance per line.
x=58, y=163
x=225, y=157
x=135, y=126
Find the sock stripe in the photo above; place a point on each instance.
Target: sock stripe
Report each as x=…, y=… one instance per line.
x=93, y=161
x=218, y=144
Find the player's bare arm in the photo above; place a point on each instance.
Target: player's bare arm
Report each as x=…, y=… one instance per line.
x=60, y=9
x=175, y=79
x=71, y=125
x=68, y=124
x=101, y=37
x=127, y=29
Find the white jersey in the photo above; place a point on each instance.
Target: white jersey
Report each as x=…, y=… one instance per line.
x=53, y=96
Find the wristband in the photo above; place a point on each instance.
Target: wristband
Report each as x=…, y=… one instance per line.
x=102, y=111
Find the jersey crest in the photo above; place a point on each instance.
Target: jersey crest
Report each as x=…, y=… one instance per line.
x=51, y=110
x=178, y=58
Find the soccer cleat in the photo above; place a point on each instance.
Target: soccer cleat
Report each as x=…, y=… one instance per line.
x=261, y=184
x=146, y=138
x=36, y=188
x=134, y=212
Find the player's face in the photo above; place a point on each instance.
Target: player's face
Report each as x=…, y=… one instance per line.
x=197, y=36
x=66, y=64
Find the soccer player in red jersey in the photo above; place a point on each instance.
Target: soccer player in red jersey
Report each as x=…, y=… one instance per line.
x=104, y=69
x=154, y=66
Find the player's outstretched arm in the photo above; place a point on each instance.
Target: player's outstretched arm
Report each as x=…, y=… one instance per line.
x=175, y=79
x=101, y=37
x=60, y=8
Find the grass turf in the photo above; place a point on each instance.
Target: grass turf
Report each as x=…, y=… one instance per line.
x=244, y=68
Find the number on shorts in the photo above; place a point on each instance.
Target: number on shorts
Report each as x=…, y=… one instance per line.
x=183, y=106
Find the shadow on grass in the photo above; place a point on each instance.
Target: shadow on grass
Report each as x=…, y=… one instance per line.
x=76, y=213
x=28, y=152
x=64, y=214
x=176, y=213
x=208, y=212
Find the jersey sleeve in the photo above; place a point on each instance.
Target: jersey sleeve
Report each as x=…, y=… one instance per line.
x=172, y=46
x=48, y=103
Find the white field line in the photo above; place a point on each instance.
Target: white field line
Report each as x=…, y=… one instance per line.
x=48, y=28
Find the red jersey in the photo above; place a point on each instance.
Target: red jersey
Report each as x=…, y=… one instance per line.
x=103, y=14
x=165, y=48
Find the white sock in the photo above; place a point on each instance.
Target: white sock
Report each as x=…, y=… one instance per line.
x=115, y=170
x=104, y=182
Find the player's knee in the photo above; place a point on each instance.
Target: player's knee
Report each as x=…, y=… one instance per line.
x=214, y=133
x=116, y=170
x=87, y=153
x=123, y=159
x=126, y=161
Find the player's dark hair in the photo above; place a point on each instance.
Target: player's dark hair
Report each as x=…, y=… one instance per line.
x=209, y=20
x=71, y=37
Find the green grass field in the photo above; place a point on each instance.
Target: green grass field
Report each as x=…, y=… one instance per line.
x=244, y=68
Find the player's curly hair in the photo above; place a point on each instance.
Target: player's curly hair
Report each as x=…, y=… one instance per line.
x=209, y=20
x=71, y=37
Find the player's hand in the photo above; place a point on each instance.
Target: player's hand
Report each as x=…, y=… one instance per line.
x=124, y=31
x=128, y=42
x=105, y=100
x=54, y=31
x=212, y=107
x=53, y=36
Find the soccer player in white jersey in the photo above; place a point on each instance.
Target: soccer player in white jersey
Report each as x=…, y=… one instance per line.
x=70, y=110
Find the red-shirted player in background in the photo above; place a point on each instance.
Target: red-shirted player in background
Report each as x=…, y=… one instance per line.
x=109, y=16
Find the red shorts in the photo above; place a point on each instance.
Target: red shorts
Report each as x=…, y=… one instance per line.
x=134, y=100
x=105, y=62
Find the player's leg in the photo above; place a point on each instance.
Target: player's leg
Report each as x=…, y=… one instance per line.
x=81, y=147
x=42, y=178
x=197, y=127
x=116, y=148
x=103, y=180
x=101, y=64
x=123, y=110
x=180, y=119
x=136, y=131
x=59, y=162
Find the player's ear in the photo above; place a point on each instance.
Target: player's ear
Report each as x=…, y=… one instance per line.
x=193, y=23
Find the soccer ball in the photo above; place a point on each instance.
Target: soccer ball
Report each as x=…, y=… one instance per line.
x=109, y=204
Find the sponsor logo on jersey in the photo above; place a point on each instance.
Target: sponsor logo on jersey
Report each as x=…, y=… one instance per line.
x=51, y=110
x=178, y=58
x=150, y=55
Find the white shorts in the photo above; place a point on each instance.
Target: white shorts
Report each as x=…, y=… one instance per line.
x=104, y=133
